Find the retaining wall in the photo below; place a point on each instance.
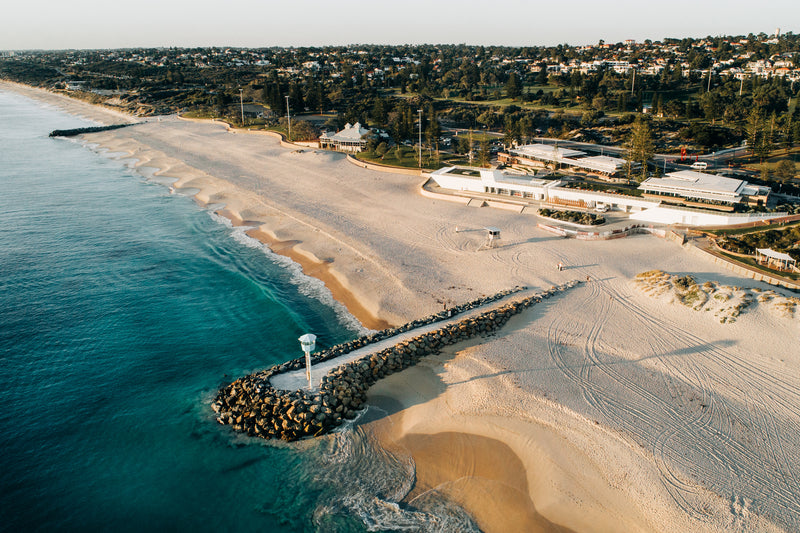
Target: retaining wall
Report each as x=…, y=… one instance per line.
x=743, y=270
x=384, y=168
x=613, y=234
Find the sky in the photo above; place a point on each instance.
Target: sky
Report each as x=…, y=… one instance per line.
x=61, y=24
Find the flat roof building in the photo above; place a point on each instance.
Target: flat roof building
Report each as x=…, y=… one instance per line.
x=690, y=187
x=544, y=153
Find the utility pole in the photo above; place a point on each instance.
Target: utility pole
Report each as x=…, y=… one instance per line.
x=741, y=86
x=633, y=81
x=470, y=147
x=288, y=119
x=241, y=103
x=420, y=137
x=708, y=89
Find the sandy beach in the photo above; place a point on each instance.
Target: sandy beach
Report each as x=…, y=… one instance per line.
x=607, y=408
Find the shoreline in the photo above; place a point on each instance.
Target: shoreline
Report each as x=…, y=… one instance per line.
x=311, y=266
x=540, y=388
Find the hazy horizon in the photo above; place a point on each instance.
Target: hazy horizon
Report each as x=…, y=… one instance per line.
x=90, y=24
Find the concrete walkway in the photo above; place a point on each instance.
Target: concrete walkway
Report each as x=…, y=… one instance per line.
x=296, y=379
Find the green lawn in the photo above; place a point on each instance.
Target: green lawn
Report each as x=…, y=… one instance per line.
x=744, y=231
x=751, y=262
x=408, y=158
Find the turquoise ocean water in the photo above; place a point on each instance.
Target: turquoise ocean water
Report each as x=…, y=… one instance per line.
x=123, y=308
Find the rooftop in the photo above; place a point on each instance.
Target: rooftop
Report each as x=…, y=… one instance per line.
x=546, y=151
x=351, y=132
x=689, y=180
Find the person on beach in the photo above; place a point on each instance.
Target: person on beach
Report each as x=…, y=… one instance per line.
x=560, y=266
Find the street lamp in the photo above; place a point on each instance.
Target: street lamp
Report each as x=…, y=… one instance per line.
x=241, y=103
x=307, y=343
x=420, y=138
x=289, y=120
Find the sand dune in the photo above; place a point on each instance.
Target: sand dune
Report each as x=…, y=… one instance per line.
x=627, y=412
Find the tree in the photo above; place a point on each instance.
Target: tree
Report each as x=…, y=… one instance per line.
x=220, y=101
x=512, y=87
x=786, y=170
x=483, y=152
x=296, y=98
x=541, y=77
x=464, y=146
x=753, y=128
x=711, y=106
x=379, y=114
x=639, y=147
x=433, y=130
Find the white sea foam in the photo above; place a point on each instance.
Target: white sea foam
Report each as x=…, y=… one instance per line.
x=371, y=481
x=308, y=286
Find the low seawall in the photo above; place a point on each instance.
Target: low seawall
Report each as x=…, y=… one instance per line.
x=384, y=168
x=668, y=234
x=252, y=405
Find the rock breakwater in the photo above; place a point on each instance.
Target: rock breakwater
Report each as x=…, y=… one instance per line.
x=252, y=405
x=89, y=129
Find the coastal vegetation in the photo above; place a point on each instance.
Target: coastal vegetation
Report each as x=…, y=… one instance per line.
x=575, y=217
x=702, y=94
x=725, y=302
x=785, y=240
x=465, y=103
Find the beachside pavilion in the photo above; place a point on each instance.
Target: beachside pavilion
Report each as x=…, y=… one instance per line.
x=688, y=187
x=353, y=138
x=771, y=258
x=541, y=154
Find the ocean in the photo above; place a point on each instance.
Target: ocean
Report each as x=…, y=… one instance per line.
x=124, y=306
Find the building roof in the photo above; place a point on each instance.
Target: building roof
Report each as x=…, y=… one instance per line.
x=769, y=252
x=691, y=184
x=602, y=163
x=351, y=132
x=546, y=152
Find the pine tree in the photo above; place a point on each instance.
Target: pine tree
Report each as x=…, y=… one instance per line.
x=753, y=129
x=512, y=87
x=639, y=148
x=433, y=130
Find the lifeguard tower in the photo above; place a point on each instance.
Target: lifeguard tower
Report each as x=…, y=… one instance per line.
x=492, y=236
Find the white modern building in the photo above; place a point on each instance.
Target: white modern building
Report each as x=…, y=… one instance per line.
x=526, y=187
x=481, y=180
x=520, y=187
x=688, y=187
x=540, y=154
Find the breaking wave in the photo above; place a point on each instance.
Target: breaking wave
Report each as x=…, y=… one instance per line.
x=366, y=481
x=306, y=285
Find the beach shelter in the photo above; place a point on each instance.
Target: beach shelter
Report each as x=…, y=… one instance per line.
x=769, y=257
x=492, y=236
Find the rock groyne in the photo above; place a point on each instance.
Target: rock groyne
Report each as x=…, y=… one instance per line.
x=252, y=405
x=91, y=129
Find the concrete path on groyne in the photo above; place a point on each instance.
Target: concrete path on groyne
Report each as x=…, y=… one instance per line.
x=296, y=379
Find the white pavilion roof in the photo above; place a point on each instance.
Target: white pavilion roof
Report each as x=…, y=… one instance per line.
x=769, y=252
